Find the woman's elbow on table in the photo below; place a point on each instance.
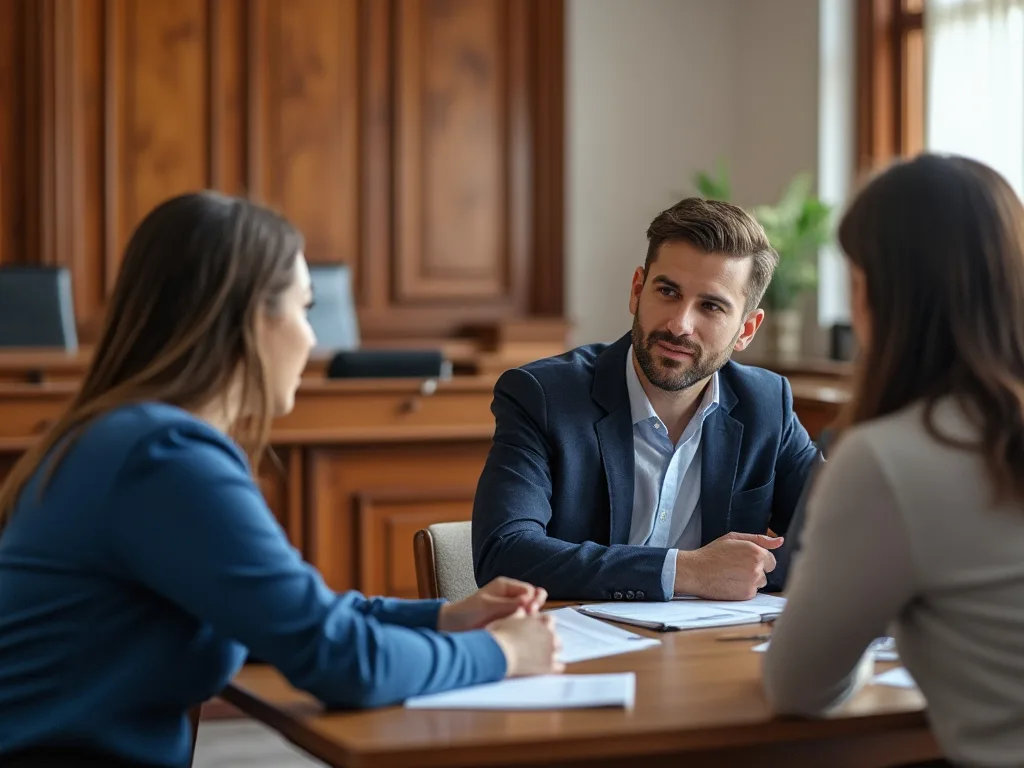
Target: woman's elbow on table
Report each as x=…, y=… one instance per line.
x=791, y=692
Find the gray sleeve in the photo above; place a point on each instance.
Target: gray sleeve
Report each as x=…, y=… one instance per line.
x=850, y=579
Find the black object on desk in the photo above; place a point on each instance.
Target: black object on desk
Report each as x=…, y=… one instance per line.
x=843, y=344
x=389, y=363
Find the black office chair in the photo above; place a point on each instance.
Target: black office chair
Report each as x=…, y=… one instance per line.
x=36, y=307
x=333, y=315
x=842, y=344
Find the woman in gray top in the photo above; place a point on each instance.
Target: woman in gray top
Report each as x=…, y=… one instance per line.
x=916, y=525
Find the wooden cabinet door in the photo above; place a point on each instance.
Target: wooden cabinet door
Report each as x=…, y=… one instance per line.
x=387, y=521
x=280, y=479
x=365, y=503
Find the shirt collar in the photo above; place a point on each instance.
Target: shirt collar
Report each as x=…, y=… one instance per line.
x=640, y=405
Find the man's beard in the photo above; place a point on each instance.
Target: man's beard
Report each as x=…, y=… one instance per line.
x=674, y=375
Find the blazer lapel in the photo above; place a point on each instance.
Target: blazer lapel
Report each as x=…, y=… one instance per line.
x=615, y=436
x=720, y=458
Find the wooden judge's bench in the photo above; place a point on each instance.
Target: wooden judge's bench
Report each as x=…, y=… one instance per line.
x=359, y=465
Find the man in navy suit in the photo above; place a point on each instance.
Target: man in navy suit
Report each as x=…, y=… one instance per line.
x=654, y=466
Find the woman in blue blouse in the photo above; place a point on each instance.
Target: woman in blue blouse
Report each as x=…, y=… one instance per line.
x=139, y=562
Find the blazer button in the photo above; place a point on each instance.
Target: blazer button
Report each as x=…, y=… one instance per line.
x=617, y=595
x=639, y=595
x=630, y=595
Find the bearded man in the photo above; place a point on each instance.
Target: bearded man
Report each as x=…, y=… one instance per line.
x=655, y=466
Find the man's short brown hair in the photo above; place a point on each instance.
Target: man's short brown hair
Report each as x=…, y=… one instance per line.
x=716, y=227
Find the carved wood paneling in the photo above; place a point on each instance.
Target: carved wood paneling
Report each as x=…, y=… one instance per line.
x=306, y=105
x=228, y=95
x=454, y=144
x=418, y=141
x=14, y=85
x=281, y=480
x=338, y=479
x=160, y=115
x=387, y=522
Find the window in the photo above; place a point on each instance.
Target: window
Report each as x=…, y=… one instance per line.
x=942, y=75
x=975, y=104
x=891, y=80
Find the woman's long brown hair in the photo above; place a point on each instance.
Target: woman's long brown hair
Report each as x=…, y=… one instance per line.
x=941, y=243
x=180, y=327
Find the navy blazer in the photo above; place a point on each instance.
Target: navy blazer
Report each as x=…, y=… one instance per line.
x=555, y=501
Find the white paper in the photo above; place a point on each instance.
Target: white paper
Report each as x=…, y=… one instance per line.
x=584, y=638
x=883, y=648
x=542, y=692
x=691, y=613
x=761, y=602
x=897, y=678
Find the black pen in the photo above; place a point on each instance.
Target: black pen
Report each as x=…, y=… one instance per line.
x=744, y=637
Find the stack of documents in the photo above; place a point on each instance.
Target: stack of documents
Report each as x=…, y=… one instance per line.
x=543, y=692
x=584, y=638
x=690, y=613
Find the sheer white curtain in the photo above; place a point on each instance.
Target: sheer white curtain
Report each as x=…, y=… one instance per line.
x=975, y=82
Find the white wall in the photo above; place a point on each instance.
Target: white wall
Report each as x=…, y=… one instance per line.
x=658, y=89
x=649, y=89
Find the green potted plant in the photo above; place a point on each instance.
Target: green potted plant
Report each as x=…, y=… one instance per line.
x=797, y=227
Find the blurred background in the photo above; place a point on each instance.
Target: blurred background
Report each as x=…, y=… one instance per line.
x=474, y=179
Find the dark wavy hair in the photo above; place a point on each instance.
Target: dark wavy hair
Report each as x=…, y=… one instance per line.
x=940, y=240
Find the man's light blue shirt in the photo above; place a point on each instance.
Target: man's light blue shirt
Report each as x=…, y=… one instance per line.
x=666, y=481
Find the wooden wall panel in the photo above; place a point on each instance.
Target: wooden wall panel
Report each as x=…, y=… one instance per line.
x=227, y=29
x=93, y=251
x=338, y=479
x=160, y=115
x=306, y=76
x=387, y=522
x=402, y=136
x=281, y=478
x=13, y=109
x=456, y=97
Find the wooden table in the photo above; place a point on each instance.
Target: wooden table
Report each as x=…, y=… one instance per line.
x=698, y=703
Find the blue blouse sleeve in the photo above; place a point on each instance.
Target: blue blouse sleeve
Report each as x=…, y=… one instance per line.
x=190, y=524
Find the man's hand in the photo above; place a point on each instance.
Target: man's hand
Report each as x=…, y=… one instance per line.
x=499, y=599
x=730, y=568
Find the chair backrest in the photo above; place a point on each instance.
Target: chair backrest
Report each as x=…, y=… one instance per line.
x=36, y=307
x=444, y=561
x=333, y=314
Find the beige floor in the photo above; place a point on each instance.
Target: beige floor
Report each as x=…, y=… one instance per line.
x=246, y=744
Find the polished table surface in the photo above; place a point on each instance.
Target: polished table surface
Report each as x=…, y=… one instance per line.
x=698, y=702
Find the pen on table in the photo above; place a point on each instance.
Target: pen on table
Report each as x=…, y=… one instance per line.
x=744, y=637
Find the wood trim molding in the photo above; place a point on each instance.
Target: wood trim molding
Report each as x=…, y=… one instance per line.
x=113, y=109
x=368, y=516
x=214, y=105
x=426, y=565
x=256, y=71
x=883, y=123
x=547, y=74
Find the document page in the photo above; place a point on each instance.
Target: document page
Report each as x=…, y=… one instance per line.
x=584, y=638
x=691, y=613
x=542, y=692
x=897, y=677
